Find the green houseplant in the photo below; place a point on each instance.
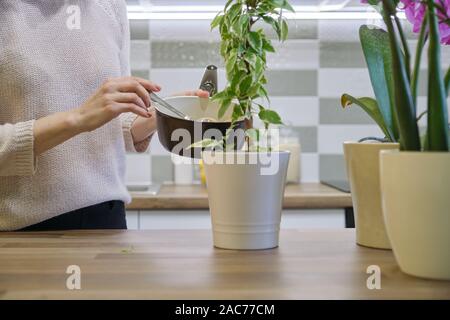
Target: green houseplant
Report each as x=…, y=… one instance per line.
x=415, y=182
x=245, y=194
x=362, y=158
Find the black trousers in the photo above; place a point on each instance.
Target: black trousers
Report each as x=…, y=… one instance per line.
x=106, y=215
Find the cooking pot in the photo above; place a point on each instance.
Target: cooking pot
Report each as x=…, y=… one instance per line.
x=177, y=134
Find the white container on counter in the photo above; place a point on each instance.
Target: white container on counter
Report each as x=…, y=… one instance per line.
x=292, y=144
x=183, y=170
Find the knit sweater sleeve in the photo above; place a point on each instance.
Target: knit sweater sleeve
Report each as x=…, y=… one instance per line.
x=127, y=119
x=16, y=149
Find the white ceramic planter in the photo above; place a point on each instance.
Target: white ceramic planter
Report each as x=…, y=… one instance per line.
x=245, y=199
x=363, y=170
x=416, y=205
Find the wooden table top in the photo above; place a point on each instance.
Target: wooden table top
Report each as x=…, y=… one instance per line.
x=298, y=196
x=168, y=264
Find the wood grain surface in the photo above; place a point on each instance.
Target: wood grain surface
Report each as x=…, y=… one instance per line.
x=298, y=196
x=168, y=264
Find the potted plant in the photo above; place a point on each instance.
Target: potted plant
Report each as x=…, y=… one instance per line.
x=415, y=181
x=362, y=157
x=246, y=188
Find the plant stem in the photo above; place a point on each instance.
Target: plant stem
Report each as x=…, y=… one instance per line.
x=420, y=44
x=437, y=130
x=404, y=110
x=404, y=44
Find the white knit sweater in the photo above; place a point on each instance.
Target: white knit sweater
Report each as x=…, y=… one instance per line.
x=46, y=67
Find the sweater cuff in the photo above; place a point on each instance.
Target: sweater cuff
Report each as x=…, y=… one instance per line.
x=130, y=146
x=25, y=160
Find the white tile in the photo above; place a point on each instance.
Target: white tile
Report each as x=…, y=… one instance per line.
x=340, y=30
x=132, y=220
x=174, y=81
x=311, y=219
x=138, y=168
x=309, y=167
x=296, y=111
x=331, y=137
x=422, y=106
x=140, y=55
x=173, y=30
x=335, y=82
x=294, y=54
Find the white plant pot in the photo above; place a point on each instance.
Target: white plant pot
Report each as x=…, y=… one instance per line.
x=246, y=199
x=363, y=170
x=416, y=205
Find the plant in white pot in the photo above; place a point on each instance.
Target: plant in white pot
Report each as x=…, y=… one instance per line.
x=362, y=157
x=415, y=181
x=246, y=187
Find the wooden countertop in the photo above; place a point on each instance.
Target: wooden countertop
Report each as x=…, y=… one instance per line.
x=307, y=195
x=168, y=264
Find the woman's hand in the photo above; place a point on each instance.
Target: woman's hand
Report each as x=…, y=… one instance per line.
x=114, y=97
x=144, y=127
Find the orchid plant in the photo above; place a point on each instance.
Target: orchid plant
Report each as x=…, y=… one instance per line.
x=395, y=81
x=244, y=48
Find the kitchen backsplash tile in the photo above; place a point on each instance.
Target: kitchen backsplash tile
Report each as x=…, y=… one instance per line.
x=321, y=60
x=331, y=112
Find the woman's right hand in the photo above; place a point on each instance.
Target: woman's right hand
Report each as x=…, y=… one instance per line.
x=114, y=97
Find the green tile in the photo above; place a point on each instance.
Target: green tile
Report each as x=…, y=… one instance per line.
x=185, y=54
x=341, y=55
x=332, y=167
x=292, y=82
x=139, y=29
x=331, y=112
x=162, y=169
x=145, y=74
x=307, y=137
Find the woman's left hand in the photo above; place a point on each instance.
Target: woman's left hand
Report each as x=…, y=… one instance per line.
x=142, y=127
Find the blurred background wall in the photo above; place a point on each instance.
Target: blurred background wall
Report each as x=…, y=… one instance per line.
x=321, y=60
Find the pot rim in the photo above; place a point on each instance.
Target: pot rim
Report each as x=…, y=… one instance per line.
x=371, y=143
x=393, y=152
x=162, y=113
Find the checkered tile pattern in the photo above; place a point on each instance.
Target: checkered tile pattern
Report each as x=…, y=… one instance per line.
x=321, y=60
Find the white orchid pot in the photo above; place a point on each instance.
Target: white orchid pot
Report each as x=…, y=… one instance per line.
x=416, y=205
x=363, y=170
x=245, y=192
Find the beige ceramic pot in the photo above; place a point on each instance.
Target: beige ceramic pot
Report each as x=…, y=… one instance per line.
x=363, y=171
x=245, y=194
x=416, y=206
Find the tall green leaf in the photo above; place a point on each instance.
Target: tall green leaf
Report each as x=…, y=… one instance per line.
x=437, y=131
x=405, y=115
x=377, y=52
x=371, y=107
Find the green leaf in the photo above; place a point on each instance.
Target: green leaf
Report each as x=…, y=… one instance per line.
x=255, y=41
x=231, y=62
x=378, y=55
x=225, y=104
x=371, y=107
x=284, y=30
x=404, y=104
x=233, y=12
x=217, y=20
x=245, y=84
x=275, y=25
x=267, y=45
x=270, y=116
x=202, y=143
x=447, y=81
x=437, y=129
